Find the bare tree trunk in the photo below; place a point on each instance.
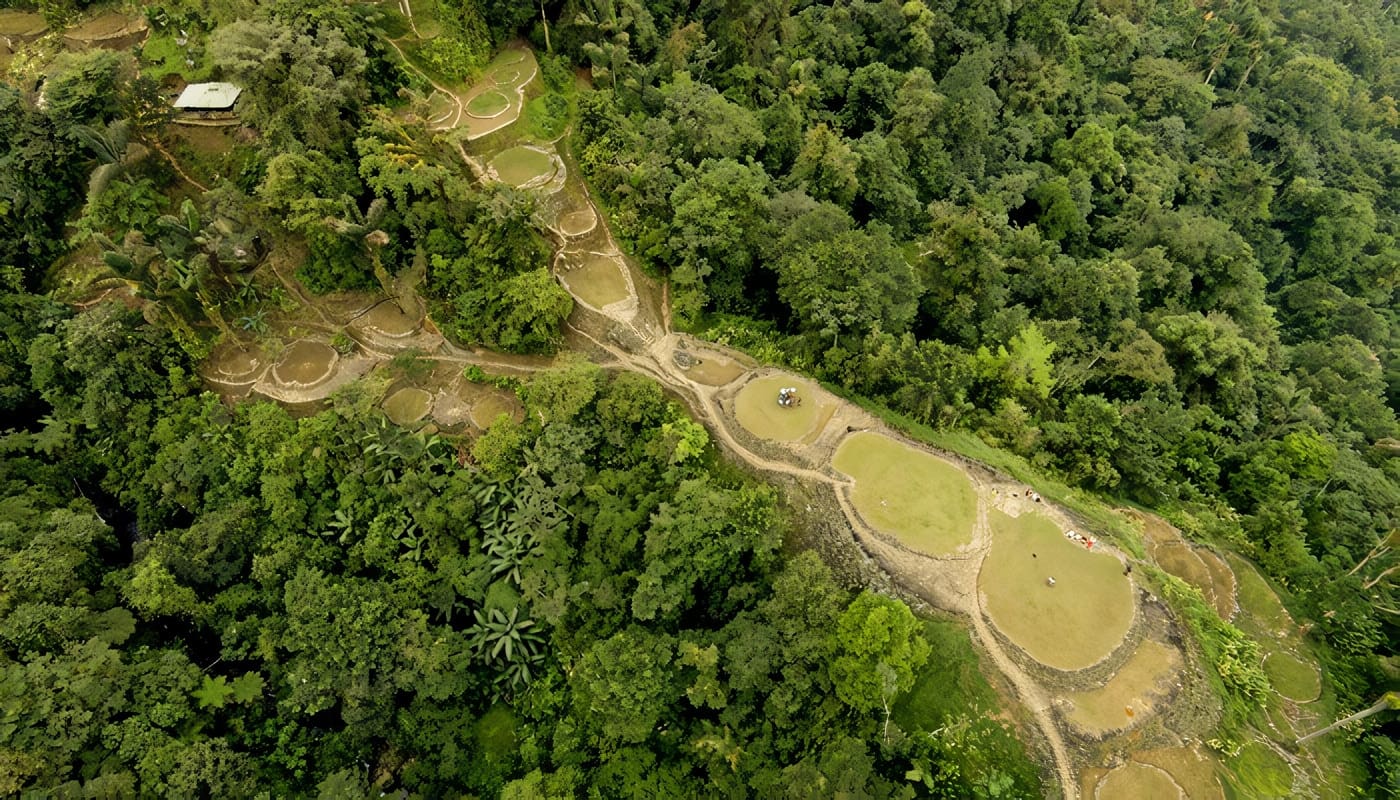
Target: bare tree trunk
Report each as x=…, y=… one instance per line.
x=545, y=21
x=1390, y=700
x=1380, y=577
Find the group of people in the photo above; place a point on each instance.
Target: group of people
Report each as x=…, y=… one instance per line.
x=1034, y=495
x=1076, y=536
x=787, y=397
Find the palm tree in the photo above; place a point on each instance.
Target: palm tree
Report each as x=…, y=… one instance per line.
x=115, y=153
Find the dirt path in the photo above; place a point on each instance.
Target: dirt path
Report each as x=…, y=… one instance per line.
x=645, y=325
x=705, y=407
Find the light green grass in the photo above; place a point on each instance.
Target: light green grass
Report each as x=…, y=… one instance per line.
x=920, y=499
x=520, y=165
x=758, y=411
x=1259, y=603
x=425, y=17
x=160, y=56
x=1070, y=625
x=1258, y=773
x=1193, y=771
x=547, y=116
x=1133, y=780
x=490, y=103
x=1292, y=677
x=1098, y=515
x=598, y=281
x=407, y=405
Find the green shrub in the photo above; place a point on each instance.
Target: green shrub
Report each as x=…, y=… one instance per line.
x=1235, y=656
x=454, y=58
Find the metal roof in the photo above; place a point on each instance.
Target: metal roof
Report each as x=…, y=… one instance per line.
x=208, y=95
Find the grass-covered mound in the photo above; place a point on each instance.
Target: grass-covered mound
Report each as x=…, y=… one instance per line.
x=1070, y=625
x=920, y=499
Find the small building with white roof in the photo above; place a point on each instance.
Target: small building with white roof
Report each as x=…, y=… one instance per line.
x=208, y=97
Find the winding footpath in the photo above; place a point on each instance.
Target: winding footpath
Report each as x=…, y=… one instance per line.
x=654, y=358
x=633, y=332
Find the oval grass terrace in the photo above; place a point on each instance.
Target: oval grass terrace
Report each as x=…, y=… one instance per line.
x=488, y=105
x=1070, y=624
x=1128, y=697
x=407, y=406
x=597, y=279
x=756, y=407
x=306, y=363
x=1134, y=781
x=524, y=165
x=924, y=502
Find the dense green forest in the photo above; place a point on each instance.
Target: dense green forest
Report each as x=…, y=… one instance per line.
x=1149, y=247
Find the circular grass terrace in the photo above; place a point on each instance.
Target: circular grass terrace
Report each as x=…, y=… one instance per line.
x=1134, y=781
x=1194, y=772
x=489, y=104
x=305, y=364
x=486, y=408
x=1128, y=696
x=923, y=501
x=1292, y=677
x=756, y=407
x=524, y=165
x=232, y=364
x=596, y=279
x=22, y=25
x=388, y=319
x=577, y=223
x=1071, y=625
x=407, y=406
x=715, y=370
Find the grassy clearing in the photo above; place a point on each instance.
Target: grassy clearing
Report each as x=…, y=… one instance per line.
x=161, y=57
x=1194, y=773
x=1128, y=694
x=407, y=406
x=1258, y=773
x=758, y=411
x=925, y=502
x=1133, y=780
x=520, y=165
x=425, y=17
x=1260, y=603
x=1098, y=516
x=951, y=692
x=490, y=103
x=1070, y=625
x=1293, y=677
x=599, y=281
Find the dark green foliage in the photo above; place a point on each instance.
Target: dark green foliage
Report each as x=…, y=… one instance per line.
x=595, y=605
x=1193, y=212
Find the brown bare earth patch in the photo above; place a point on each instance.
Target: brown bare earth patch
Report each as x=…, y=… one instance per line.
x=715, y=370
